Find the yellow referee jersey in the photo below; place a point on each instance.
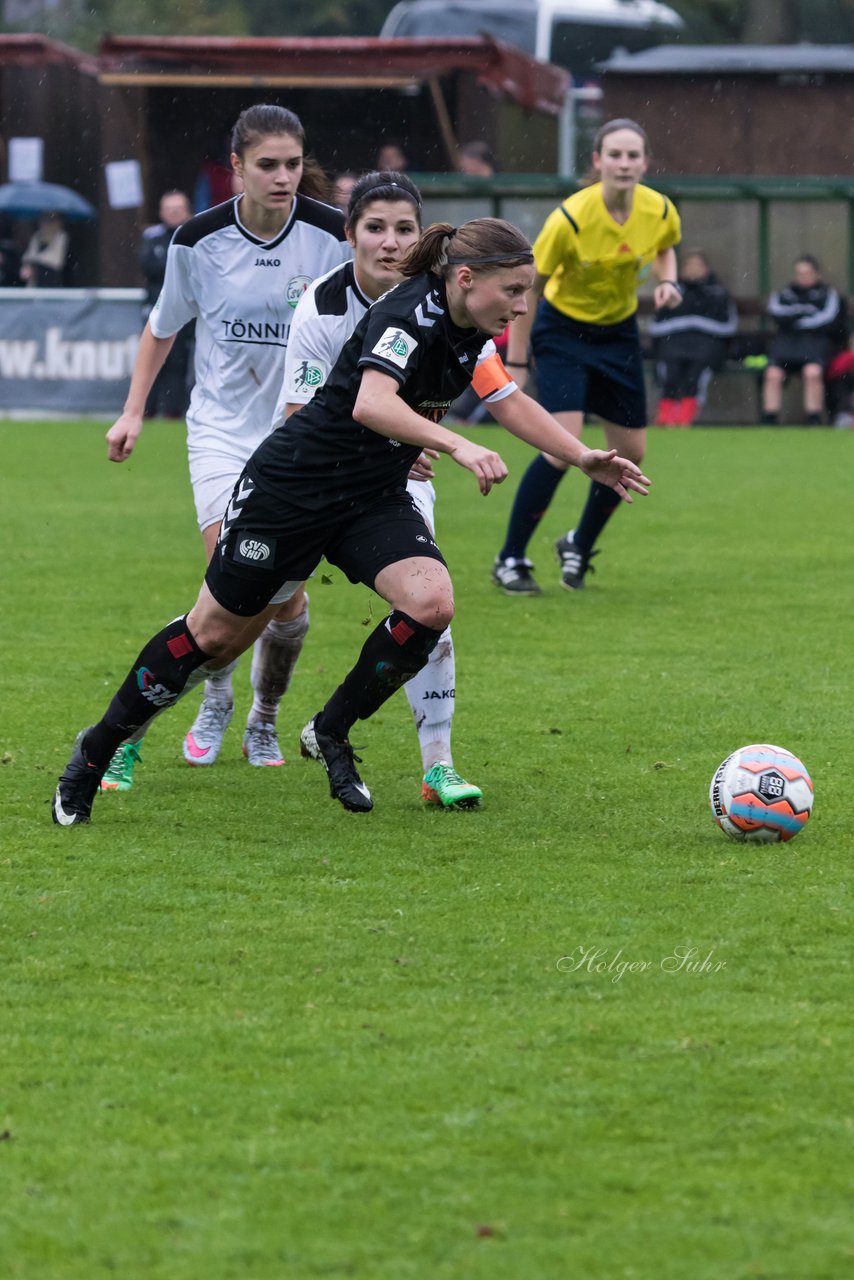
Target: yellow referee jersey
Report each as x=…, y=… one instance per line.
x=594, y=264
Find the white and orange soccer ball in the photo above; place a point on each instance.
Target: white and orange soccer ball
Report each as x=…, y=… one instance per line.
x=761, y=794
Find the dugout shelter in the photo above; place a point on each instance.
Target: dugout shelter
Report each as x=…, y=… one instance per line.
x=50, y=91
x=165, y=102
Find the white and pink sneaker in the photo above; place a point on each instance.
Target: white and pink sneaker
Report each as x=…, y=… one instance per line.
x=203, y=742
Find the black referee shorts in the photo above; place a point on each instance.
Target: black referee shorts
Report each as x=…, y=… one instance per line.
x=266, y=542
x=594, y=368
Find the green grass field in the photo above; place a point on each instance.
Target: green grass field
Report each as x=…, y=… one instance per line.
x=247, y=1034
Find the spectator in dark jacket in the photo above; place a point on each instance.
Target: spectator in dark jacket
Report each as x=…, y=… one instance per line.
x=170, y=395
x=810, y=319
x=690, y=341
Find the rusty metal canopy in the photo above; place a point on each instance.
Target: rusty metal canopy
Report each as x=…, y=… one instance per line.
x=352, y=62
x=39, y=51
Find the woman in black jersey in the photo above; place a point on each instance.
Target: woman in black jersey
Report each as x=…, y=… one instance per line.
x=332, y=482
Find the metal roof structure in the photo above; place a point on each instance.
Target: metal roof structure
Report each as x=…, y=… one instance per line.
x=734, y=59
x=350, y=62
x=39, y=51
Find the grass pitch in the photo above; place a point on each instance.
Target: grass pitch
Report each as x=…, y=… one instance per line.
x=578, y=1033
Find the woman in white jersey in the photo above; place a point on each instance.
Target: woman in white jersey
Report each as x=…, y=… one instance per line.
x=383, y=221
x=238, y=270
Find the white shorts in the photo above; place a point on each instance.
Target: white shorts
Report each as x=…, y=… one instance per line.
x=213, y=476
x=424, y=496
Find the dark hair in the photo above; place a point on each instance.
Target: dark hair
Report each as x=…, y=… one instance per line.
x=382, y=184
x=810, y=260
x=266, y=119
x=696, y=253
x=484, y=244
x=611, y=126
x=260, y=121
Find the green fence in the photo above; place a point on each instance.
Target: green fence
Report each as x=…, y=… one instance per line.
x=753, y=228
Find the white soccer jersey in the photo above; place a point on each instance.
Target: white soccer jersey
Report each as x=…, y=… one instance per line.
x=327, y=314
x=242, y=292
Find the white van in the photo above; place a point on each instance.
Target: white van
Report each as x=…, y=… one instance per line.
x=575, y=34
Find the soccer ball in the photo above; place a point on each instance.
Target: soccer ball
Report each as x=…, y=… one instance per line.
x=761, y=794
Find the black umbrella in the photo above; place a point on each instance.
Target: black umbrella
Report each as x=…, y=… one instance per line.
x=29, y=199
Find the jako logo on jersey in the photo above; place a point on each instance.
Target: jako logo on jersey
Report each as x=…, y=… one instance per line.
x=396, y=347
x=157, y=694
x=296, y=288
x=268, y=262
x=251, y=549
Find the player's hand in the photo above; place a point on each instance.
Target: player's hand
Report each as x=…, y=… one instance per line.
x=422, y=467
x=485, y=464
x=122, y=436
x=618, y=473
x=666, y=295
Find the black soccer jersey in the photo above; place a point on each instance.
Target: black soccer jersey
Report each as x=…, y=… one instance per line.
x=321, y=457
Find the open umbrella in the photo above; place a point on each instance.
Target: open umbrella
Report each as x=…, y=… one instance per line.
x=29, y=199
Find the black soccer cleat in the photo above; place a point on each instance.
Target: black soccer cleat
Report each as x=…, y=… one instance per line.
x=515, y=577
x=78, y=786
x=336, y=756
x=574, y=563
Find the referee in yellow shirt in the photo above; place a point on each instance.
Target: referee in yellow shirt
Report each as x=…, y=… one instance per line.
x=590, y=257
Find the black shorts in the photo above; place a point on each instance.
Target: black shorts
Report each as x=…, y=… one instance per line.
x=594, y=368
x=791, y=351
x=265, y=542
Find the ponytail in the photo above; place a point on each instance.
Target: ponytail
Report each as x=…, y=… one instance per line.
x=430, y=251
x=484, y=244
x=314, y=181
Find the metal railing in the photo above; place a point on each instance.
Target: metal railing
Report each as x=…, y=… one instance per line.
x=761, y=192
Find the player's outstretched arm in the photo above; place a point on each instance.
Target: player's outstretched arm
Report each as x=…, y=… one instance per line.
x=524, y=418
x=380, y=408
x=150, y=358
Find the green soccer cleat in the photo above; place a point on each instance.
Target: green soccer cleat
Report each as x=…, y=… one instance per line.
x=119, y=775
x=443, y=786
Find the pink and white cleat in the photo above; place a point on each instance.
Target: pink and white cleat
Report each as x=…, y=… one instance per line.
x=202, y=744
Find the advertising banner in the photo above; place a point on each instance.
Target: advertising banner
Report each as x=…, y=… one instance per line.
x=68, y=351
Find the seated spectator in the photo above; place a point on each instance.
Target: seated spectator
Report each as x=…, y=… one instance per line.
x=391, y=155
x=475, y=159
x=690, y=341
x=839, y=385
x=216, y=178
x=342, y=187
x=43, y=262
x=810, y=319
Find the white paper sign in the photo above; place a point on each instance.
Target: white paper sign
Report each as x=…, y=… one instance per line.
x=26, y=157
x=124, y=184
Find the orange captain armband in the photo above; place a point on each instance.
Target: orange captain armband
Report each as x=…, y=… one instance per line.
x=490, y=376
